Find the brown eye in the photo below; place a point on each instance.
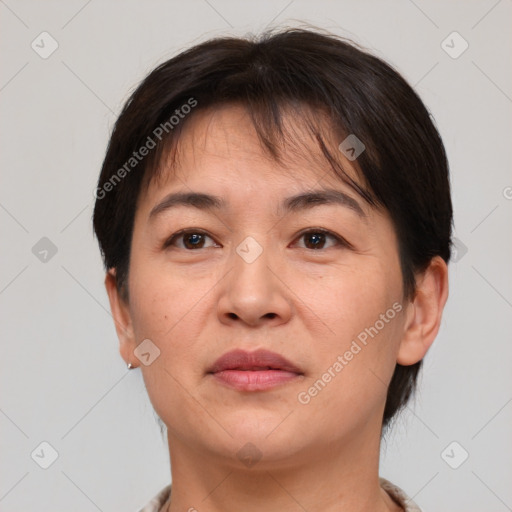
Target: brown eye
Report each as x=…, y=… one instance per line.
x=316, y=239
x=191, y=240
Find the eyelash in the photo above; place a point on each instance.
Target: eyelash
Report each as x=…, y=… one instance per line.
x=340, y=241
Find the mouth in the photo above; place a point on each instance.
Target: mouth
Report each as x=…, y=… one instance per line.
x=254, y=371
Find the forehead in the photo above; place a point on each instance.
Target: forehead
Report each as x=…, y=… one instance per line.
x=219, y=147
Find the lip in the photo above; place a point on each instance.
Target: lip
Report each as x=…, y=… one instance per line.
x=254, y=371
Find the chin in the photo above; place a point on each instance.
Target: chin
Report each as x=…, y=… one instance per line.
x=271, y=433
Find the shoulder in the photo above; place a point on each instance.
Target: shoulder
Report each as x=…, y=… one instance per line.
x=399, y=496
x=157, y=502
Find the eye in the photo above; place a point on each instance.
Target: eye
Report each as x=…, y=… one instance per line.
x=316, y=239
x=192, y=239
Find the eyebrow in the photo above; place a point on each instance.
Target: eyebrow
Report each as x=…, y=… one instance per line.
x=298, y=202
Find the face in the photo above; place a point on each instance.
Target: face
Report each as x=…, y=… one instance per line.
x=316, y=283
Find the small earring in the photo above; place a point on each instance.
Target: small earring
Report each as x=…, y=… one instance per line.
x=130, y=366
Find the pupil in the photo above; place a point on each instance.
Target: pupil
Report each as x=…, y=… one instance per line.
x=318, y=237
x=196, y=239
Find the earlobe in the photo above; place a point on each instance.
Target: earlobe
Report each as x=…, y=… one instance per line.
x=424, y=313
x=121, y=315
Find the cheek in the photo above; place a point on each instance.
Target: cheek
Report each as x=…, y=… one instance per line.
x=362, y=307
x=349, y=298
x=160, y=298
x=371, y=319
x=166, y=311
x=172, y=309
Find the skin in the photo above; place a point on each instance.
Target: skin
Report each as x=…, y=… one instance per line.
x=304, y=303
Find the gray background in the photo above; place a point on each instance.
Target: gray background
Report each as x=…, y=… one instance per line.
x=62, y=380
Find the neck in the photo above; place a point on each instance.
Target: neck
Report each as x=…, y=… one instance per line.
x=340, y=477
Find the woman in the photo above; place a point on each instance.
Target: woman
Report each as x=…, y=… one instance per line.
x=275, y=221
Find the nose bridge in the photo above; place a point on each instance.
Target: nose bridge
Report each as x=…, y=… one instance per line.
x=251, y=261
x=249, y=250
x=252, y=290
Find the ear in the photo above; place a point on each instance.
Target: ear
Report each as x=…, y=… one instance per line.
x=122, y=318
x=424, y=312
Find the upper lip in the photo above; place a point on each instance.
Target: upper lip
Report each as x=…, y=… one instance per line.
x=257, y=360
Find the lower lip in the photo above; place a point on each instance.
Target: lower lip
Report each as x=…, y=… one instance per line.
x=259, y=380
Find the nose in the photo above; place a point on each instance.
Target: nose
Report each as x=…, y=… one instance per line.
x=254, y=293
